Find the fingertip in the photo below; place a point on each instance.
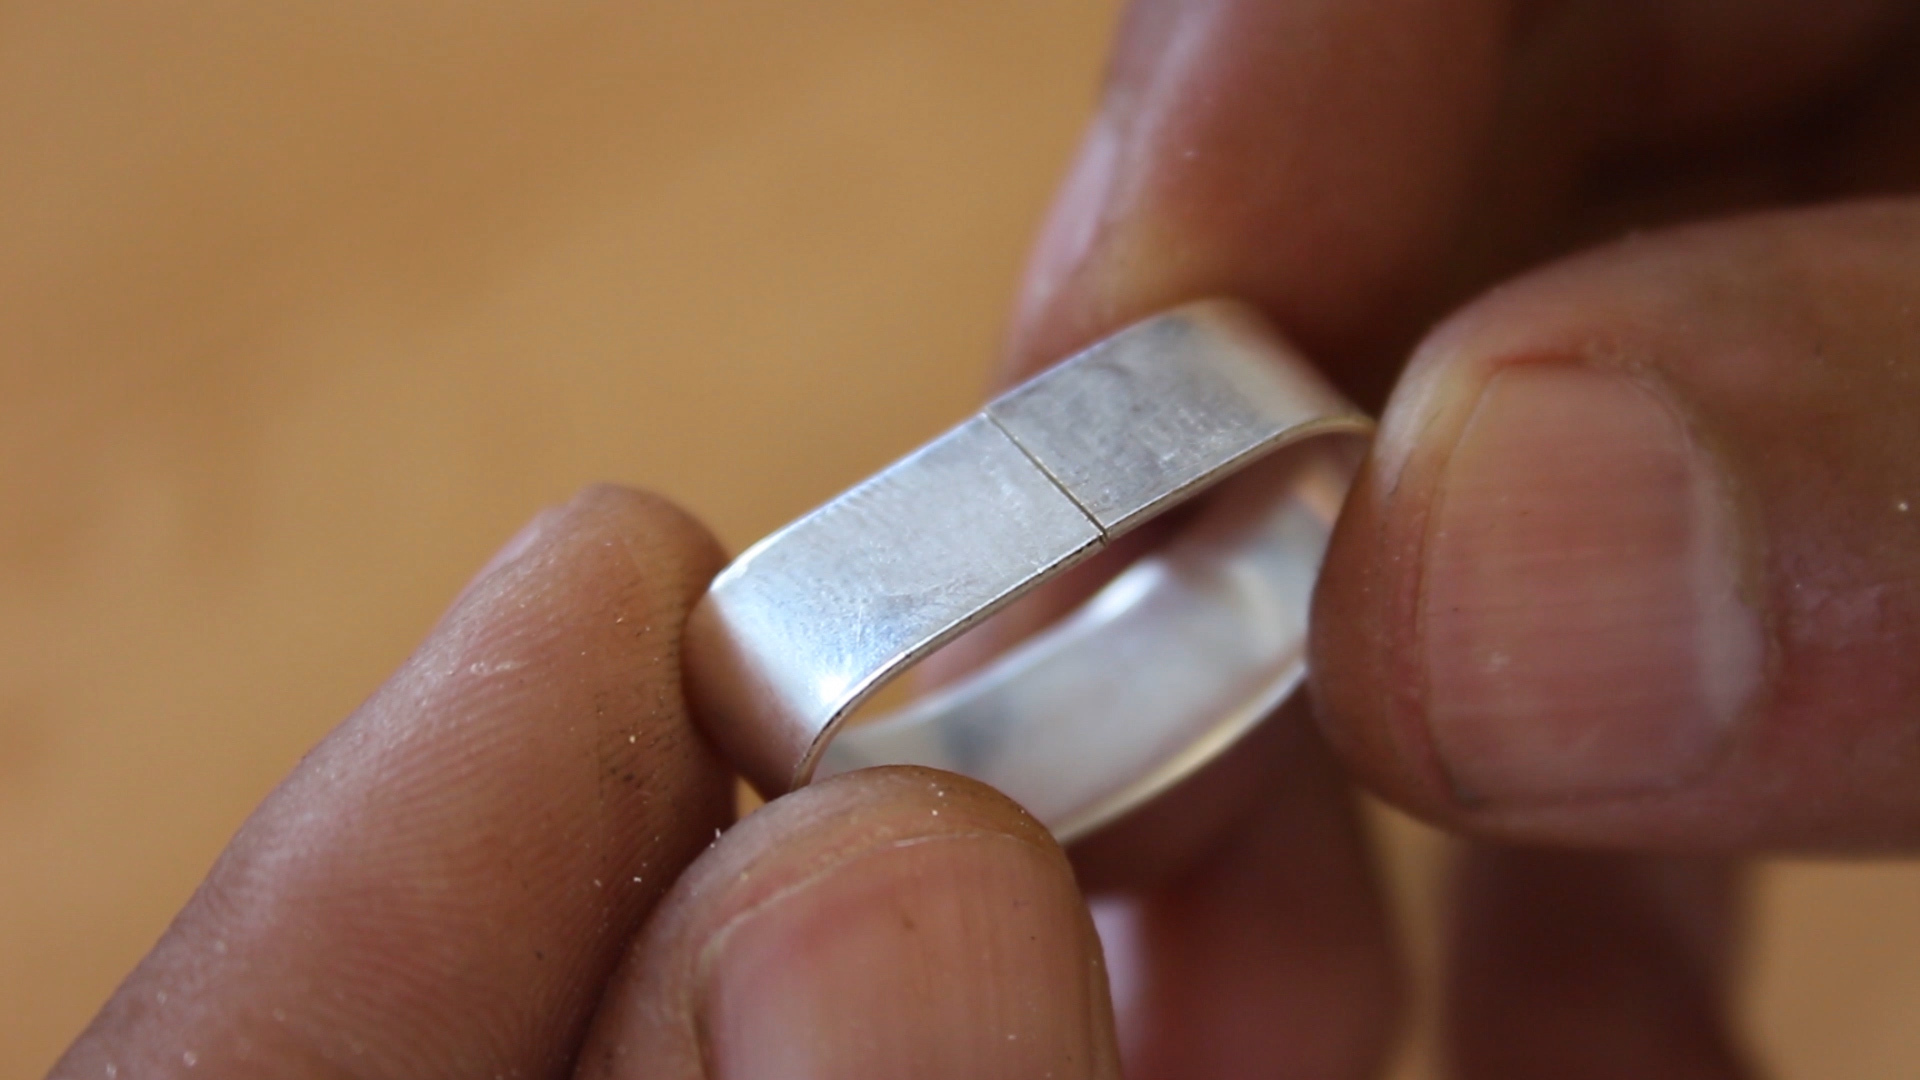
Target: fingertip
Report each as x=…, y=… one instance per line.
x=1538, y=595
x=1361, y=690
x=651, y=520
x=1625, y=564
x=665, y=545
x=832, y=823
x=891, y=921
x=445, y=883
x=659, y=549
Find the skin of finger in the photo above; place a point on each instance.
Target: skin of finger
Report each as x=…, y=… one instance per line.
x=1726, y=64
x=1267, y=952
x=1093, y=273
x=1786, y=342
x=443, y=885
x=1586, y=965
x=1306, y=155
x=1620, y=115
x=1213, y=162
x=868, y=832
x=1354, y=168
x=1311, y=157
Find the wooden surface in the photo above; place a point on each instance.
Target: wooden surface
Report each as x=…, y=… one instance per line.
x=305, y=307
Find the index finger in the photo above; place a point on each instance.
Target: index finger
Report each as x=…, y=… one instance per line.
x=1313, y=157
x=443, y=886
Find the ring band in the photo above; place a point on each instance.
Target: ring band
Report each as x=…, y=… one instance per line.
x=1157, y=674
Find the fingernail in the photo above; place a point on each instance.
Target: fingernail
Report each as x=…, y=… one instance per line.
x=1583, y=631
x=955, y=956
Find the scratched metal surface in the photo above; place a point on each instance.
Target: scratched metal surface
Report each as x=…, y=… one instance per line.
x=1161, y=672
x=806, y=622
x=1141, y=419
x=1164, y=668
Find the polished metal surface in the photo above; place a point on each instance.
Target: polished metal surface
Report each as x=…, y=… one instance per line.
x=1159, y=672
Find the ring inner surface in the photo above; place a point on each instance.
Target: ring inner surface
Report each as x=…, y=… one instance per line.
x=1166, y=665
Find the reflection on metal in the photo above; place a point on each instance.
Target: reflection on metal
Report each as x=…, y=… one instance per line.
x=1163, y=669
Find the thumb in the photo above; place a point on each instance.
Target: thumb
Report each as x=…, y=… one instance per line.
x=1637, y=560
x=890, y=922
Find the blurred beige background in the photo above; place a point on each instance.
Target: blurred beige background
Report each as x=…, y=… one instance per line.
x=305, y=307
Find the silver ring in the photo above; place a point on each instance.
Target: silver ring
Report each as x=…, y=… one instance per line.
x=1163, y=669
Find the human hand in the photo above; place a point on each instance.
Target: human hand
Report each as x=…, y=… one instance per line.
x=472, y=876
x=455, y=882
x=1632, y=567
